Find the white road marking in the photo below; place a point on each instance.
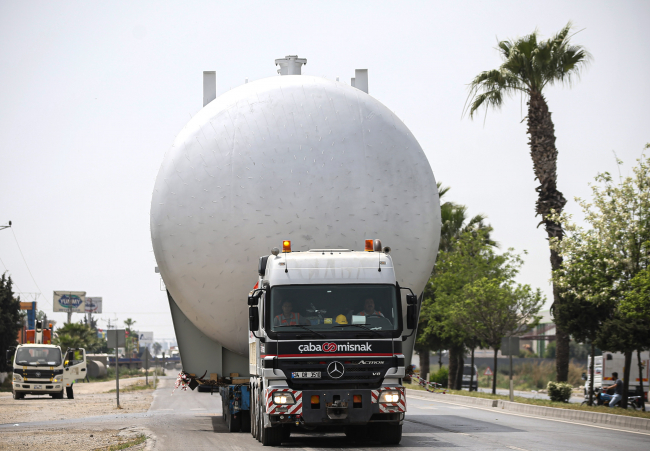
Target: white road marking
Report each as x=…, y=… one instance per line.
x=514, y=447
x=494, y=410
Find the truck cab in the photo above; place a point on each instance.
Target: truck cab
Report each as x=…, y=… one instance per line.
x=326, y=334
x=42, y=369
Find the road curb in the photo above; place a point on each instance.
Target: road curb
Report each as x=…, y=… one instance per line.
x=608, y=419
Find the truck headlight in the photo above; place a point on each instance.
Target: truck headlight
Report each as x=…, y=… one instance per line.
x=389, y=396
x=58, y=378
x=282, y=398
x=18, y=378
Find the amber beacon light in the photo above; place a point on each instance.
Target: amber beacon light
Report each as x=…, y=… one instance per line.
x=286, y=246
x=369, y=246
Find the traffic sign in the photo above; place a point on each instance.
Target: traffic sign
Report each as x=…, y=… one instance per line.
x=488, y=372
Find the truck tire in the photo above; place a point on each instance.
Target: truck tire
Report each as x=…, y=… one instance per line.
x=253, y=416
x=68, y=393
x=245, y=420
x=58, y=395
x=356, y=433
x=18, y=395
x=286, y=433
x=271, y=436
x=390, y=434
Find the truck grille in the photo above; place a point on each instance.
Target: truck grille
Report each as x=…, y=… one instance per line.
x=357, y=374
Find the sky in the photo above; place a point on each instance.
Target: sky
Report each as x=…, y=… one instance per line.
x=92, y=94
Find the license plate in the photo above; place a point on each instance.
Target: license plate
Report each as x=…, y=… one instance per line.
x=306, y=375
x=38, y=387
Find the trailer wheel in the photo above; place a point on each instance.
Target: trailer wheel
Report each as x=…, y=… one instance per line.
x=245, y=420
x=391, y=434
x=234, y=422
x=68, y=393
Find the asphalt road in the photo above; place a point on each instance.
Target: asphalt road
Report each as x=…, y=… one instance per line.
x=192, y=420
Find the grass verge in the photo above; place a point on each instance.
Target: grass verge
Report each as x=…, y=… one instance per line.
x=545, y=403
x=126, y=444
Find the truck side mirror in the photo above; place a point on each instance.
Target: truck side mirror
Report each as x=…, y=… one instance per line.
x=411, y=316
x=252, y=300
x=253, y=318
x=411, y=299
x=10, y=355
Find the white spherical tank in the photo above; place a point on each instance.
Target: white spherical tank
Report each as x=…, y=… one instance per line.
x=294, y=157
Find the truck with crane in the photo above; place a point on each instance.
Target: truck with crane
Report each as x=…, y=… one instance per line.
x=41, y=368
x=325, y=336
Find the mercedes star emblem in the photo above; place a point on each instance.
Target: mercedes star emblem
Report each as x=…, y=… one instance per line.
x=335, y=370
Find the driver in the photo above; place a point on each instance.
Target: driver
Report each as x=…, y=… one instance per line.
x=287, y=317
x=369, y=308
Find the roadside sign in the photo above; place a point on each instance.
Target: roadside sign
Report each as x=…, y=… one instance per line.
x=488, y=372
x=69, y=301
x=121, y=338
x=93, y=305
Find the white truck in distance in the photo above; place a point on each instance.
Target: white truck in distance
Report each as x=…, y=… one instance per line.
x=41, y=369
x=609, y=362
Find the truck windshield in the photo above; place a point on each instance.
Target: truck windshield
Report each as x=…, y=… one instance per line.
x=334, y=307
x=28, y=355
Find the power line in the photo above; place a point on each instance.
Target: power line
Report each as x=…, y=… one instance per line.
x=7, y=269
x=21, y=254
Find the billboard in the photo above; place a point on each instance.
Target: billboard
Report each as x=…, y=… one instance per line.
x=145, y=338
x=93, y=305
x=69, y=301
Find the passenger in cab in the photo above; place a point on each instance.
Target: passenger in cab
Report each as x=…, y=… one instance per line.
x=288, y=317
x=369, y=308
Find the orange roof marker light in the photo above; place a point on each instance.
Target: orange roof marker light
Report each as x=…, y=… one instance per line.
x=286, y=246
x=370, y=246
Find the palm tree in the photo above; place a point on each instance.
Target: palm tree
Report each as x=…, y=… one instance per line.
x=528, y=67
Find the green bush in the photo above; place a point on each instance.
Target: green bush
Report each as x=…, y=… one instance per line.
x=559, y=391
x=441, y=376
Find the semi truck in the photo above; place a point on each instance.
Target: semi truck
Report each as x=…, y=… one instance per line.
x=326, y=166
x=40, y=368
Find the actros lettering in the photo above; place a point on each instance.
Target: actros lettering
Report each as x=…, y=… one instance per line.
x=335, y=347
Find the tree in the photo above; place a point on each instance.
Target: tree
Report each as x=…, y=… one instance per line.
x=131, y=337
x=475, y=287
x=157, y=347
x=10, y=319
x=77, y=335
x=454, y=222
x=528, y=67
x=605, y=264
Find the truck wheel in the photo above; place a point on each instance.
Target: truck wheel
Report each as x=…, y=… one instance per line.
x=391, y=434
x=18, y=395
x=68, y=393
x=234, y=422
x=259, y=419
x=58, y=395
x=253, y=415
x=271, y=436
x=245, y=418
x=356, y=433
x=286, y=433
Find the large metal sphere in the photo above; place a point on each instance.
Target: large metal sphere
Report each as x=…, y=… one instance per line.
x=294, y=157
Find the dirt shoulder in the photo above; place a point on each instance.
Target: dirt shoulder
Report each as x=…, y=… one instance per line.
x=90, y=400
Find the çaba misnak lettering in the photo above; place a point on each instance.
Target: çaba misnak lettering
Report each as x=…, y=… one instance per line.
x=334, y=347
